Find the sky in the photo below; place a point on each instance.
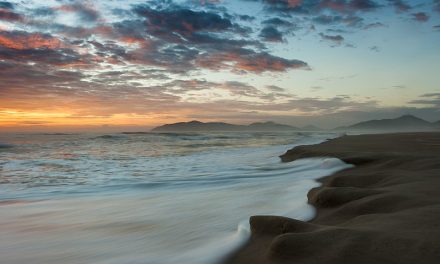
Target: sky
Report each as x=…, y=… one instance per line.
x=132, y=65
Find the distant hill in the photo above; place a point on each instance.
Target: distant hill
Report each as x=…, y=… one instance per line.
x=269, y=126
x=405, y=123
x=311, y=128
x=195, y=126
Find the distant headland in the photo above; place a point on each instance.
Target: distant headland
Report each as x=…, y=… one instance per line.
x=405, y=123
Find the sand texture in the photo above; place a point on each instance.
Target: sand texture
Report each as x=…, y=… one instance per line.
x=384, y=210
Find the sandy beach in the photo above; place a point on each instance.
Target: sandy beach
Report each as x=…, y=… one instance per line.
x=386, y=209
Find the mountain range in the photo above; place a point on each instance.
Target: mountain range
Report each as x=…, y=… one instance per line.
x=405, y=123
x=220, y=126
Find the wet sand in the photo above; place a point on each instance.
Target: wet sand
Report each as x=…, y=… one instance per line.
x=384, y=210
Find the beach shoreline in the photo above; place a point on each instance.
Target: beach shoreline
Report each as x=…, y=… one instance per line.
x=384, y=210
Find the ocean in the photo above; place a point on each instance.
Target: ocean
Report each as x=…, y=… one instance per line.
x=147, y=198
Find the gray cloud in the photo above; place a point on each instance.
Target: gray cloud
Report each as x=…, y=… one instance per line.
x=6, y=5
x=313, y=6
x=420, y=17
x=335, y=39
x=374, y=25
x=271, y=34
x=276, y=21
x=430, y=99
x=401, y=6
x=9, y=15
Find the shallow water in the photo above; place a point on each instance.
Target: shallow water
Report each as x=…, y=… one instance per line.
x=146, y=198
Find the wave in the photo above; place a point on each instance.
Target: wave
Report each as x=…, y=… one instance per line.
x=159, y=133
x=218, y=249
x=6, y=146
x=136, y=133
x=110, y=137
x=202, y=145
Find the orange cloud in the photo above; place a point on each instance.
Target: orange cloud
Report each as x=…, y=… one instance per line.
x=29, y=41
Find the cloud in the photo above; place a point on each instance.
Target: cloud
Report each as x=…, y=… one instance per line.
x=276, y=21
x=246, y=18
x=437, y=5
x=311, y=106
x=275, y=88
x=350, y=6
x=401, y=6
x=27, y=88
x=350, y=21
x=430, y=99
x=374, y=25
x=327, y=19
x=6, y=5
x=170, y=37
x=21, y=40
x=420, y=17
x=37, y=48
x=317, y=6
x=30, y=79
x=241, y=89
x=85, y=10
x=246, y=60
x=122, y=92
x=97, y=59
x=174, y=58
x=190, y=37
x=271, y=34
x=236, y=89
x=374, y=48
x=178, y=24
x=10, y=16
x=185, y=39
x=335, y=39
x=275, y=28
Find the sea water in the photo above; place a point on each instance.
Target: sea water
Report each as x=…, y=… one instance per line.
x=144, y=197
